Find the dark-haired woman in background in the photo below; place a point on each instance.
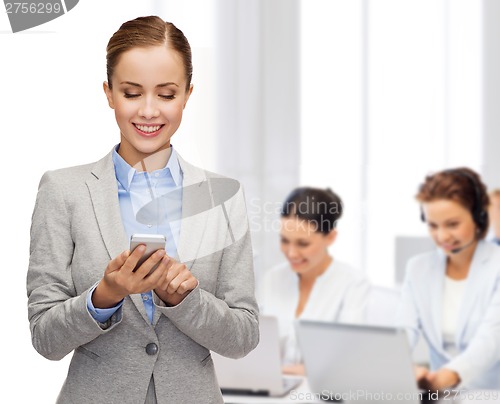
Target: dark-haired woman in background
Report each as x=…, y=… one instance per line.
x=452, y=295
x=311, y=284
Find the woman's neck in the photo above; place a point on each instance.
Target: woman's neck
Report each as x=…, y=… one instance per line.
x=145, y=162
x=306, y=283
x=311, y=275
x=458, y=265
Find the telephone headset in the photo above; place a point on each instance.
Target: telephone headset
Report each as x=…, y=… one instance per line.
x=479, y=214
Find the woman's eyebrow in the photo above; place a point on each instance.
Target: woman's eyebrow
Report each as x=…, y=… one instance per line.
x=131, y=83
x=451, y=219
x=170, y=83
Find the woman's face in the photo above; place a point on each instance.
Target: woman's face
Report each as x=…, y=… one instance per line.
x=304, y=248
x=450, y=224
x=148, y=95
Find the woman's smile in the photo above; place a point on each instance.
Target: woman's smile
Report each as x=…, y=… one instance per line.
x=148, y=130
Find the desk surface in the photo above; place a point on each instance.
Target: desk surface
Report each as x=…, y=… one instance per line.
x=302, y=394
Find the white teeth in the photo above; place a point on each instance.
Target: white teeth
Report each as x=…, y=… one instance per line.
x=148, y=129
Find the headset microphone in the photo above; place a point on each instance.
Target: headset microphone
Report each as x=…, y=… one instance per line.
x=458, y=249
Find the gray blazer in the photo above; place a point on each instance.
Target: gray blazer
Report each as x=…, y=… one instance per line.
x=76, y=229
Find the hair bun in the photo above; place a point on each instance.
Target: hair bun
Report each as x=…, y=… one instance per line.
x=323, y=207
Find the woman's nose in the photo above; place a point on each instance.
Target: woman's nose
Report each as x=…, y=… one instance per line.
x=442, y=234
x=292, y=252
x=149, y=108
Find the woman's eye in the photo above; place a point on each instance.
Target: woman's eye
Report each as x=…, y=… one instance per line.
x=129, y=95
x=303, y=245
x=167, y=97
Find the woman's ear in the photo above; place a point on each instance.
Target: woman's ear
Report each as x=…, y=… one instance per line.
x=188, y=94
x=109, y=94
x=331, y=237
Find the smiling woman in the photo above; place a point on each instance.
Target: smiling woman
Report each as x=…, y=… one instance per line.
x=140, y=335
x=452, y=295
x=311, y=285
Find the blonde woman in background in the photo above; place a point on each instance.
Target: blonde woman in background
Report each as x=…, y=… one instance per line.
x=452, y=295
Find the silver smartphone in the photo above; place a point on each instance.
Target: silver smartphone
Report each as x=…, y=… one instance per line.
x=153, y=242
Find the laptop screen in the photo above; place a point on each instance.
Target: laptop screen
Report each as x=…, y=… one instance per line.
x=363, y=363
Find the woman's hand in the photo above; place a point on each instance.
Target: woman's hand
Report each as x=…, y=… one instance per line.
x=120, y=280
x=177, y=284
x=420, y=373
x=439, y=380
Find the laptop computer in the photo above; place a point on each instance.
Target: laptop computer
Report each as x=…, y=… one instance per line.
x=258, y=373
x=358, y=363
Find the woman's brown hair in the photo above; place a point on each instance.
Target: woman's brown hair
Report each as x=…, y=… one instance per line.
x=461, y=185
x=144, y=32
x=320, y=207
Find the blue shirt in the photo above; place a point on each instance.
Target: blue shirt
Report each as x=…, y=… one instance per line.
x=136, y=190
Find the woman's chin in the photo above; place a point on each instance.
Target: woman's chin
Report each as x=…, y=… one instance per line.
x=299, y=267
x=150, y=148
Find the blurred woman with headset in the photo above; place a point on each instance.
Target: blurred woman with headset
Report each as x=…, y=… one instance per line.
x=452, y=295
x=312, y=284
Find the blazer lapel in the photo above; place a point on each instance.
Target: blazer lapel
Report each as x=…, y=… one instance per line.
x=195, y=191
x=137, y=300
x=436, y=300
x=472, y=288
x=103, y=190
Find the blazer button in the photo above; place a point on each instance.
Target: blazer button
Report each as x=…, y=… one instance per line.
x=151, y=349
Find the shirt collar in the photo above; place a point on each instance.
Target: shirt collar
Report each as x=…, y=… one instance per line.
x=174, y=167
x=125, y=173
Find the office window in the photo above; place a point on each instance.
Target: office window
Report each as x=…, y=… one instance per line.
x=390, y=92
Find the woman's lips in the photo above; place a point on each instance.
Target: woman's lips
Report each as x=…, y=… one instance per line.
x=296, y=263
x=148, y=130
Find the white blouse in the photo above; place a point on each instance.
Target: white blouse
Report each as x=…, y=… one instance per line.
x=453, y=294
x=339, y=295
